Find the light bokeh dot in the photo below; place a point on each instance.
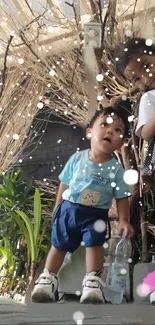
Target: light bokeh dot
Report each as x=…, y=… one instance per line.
x=124, y=97
x=148, y=42
x=112, y=175
x=130, y=260
x=131, y=118
x=40, y=105
x=128, y=33
x=52, y=73
x=123, y=271
x=20, y=60
x=109, y=120
x=78, y=316
x=15, y=136
x=99, y=97
x=82, y=243
x=79, y=322
x=105, y=245
x=99, y=226
x=89, y=135
x=99, y=77
x=130, y=176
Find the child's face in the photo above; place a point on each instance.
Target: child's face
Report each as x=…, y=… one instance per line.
x=141, y=73
x=107, y=133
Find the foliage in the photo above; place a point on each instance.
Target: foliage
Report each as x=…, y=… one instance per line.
x=24, y=233
x=32, y=230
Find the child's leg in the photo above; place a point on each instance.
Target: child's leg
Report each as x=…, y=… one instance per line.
x=54, y=260
x=94, y=258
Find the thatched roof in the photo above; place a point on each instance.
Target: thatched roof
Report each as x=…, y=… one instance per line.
x=34, y=78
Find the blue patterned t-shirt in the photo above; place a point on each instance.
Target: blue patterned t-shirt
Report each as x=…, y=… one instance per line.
x=93, y=184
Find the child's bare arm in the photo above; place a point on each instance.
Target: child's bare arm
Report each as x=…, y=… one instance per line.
x=123, y=214
x=148, y=130
x=61, y=189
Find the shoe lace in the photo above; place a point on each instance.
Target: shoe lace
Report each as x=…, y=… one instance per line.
x=93, y=281
x=45, y=276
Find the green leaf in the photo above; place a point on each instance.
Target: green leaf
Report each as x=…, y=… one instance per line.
x=37, y=214
x=3, y=252
x=23, y=229
x=30, y=229
x=43, y=232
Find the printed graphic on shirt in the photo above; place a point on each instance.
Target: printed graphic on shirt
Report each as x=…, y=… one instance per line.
x=85, y=195
x=90, y=198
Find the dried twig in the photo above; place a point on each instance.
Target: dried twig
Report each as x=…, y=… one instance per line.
x=36, y=19
x=100, y=10
x=76, y=14
x=94, y=10
x=133, y=14
x=104, y=23
x=5, y=65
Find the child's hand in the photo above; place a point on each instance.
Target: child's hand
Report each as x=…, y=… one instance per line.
x=127, y=228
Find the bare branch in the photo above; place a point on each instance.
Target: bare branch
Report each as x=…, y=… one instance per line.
x=76, y=12
x=100, y=10
x=35, y=20
x=94, y=10
x=5, y=67
x=110, y=14
x=31, y=10
x=133, y=14
x=28, y=44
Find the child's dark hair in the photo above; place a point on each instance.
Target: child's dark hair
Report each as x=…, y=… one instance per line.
x=107, y=111
x=134, y=47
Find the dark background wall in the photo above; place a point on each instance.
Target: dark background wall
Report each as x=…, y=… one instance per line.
x=49, y=156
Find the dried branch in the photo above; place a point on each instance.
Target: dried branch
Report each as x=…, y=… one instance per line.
x=28, y=44
x=94, y=10
x=76, y=12
x=110, y=15
x=74, y=70
x=29, y=7
x=100, y=10
x=36, y=19
x=5, y=67
x=104, y=23
x=133, y=14
x=112, y=20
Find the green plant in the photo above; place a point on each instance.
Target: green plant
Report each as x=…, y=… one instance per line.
x=28, y=232
x=34, y=232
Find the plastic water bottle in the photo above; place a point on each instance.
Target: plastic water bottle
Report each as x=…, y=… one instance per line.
x=118, y=274
x=123, y=248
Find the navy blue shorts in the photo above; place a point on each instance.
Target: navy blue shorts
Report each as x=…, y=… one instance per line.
x=73, y=224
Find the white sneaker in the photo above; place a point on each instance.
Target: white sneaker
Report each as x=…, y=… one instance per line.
x=152, y=298
x=92, y=289
x=46, y=288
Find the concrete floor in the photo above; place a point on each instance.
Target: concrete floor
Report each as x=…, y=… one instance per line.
x=62, y=313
